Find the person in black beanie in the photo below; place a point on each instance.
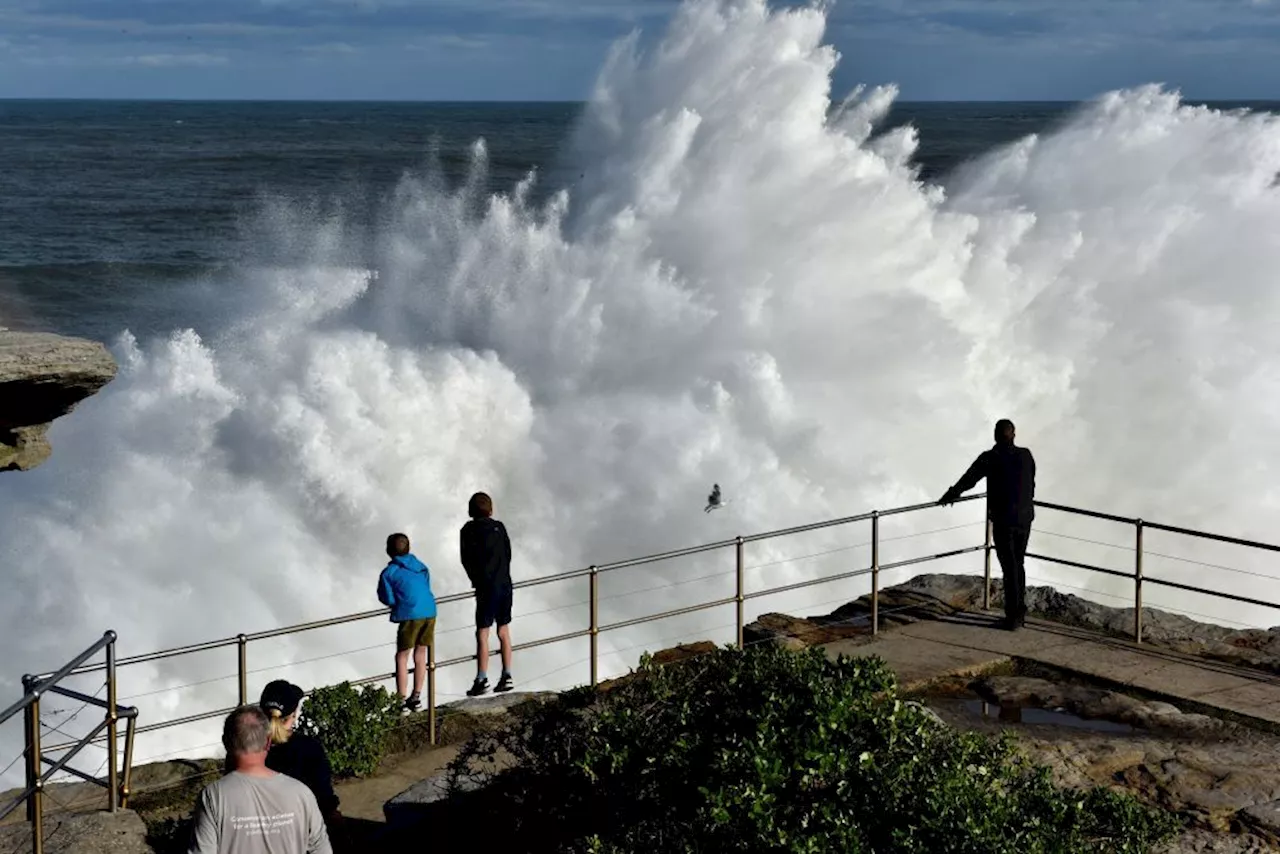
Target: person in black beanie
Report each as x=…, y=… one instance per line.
x=295, y=754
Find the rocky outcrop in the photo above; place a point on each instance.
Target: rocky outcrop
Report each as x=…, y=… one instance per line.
x=42, y=377
x=1264, y=820
x=799, y=632
x=429, y=803
x=1218, y=774
x=1091, y=703
x=670, y=655
x=83, y=833
x=934, y=596
x=1208, y=842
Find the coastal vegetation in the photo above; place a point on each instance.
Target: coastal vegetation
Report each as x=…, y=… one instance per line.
x=770, y=750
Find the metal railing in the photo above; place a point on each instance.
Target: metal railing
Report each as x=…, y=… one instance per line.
x=595, y=628
x=117, y=781
x=1137, y=575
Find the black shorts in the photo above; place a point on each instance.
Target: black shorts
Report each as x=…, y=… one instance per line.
x=493, y=605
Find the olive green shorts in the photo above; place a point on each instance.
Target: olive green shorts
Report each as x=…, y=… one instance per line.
x=413, y=633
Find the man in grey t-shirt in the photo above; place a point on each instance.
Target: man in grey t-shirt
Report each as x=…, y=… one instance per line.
x=254, y=810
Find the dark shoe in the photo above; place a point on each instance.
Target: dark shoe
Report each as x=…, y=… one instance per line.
x=504, y=684
x=412, y=704
x=480, y=686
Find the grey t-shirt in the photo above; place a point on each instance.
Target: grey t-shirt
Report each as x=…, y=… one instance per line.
x=241, y=814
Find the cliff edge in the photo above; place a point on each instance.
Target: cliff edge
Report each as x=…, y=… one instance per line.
x=42, y=377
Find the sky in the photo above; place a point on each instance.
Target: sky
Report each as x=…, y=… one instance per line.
x=551, y=49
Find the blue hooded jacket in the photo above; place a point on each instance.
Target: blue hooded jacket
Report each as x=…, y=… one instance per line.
x=405, y=588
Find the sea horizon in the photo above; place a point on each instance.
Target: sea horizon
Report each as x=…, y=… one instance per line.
x=569, y=101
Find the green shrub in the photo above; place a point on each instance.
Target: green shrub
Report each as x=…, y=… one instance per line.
x=351, y=725
x=766, y=750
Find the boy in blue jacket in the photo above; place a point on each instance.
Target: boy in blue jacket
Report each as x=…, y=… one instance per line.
x=405, y=588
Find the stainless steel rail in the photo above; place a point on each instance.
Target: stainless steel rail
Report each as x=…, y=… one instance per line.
x=1139, y=577
x=39, y=684
x=35, y=687
x=593, y=631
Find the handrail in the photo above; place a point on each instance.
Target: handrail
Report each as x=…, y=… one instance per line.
x=45, y=682
x=241, y=641
x=530, y=582
x=34, y=687
x=1156, y=526
x=1137, y=575
x=51, y=679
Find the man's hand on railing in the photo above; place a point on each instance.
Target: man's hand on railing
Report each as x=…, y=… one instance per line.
x=949, y=497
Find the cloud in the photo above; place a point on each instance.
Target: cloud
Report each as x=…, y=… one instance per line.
x=449, y=41
x=330, y=49
x=1007, y=22
x=517, y=41
x=1170, y=25
x=174, y=60
x=556, y=10
x=134, y=26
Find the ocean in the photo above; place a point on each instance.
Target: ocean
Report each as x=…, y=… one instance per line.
x=107, y=206
x=326, y=335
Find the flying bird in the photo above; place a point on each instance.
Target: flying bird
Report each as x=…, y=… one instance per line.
x=713, y=500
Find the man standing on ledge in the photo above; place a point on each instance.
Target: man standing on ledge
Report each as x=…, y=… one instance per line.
x=1011, y=490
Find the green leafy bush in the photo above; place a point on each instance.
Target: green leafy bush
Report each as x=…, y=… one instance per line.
x=766, y=750
x=351, y=725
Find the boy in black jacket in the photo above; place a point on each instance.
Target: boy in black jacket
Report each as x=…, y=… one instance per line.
x=486, y=556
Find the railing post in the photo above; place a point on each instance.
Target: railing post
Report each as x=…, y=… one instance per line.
x=1137, y=585
x=129, y=730
x=431, y=693
x=113, y=770
x=595, y=626
x=27, y=681
x=242, y=644
x=36, y=802
x=875, y=572
x=741, y=598
x=986, y=568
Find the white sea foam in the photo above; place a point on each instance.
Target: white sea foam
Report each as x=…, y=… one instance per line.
x=744, y=287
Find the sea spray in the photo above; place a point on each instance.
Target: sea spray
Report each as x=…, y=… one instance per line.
x=747, y=285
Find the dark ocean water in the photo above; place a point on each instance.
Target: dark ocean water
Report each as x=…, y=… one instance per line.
x=105, y=206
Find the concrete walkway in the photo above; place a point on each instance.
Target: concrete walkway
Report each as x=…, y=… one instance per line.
x=969, y=643
x=363, y=798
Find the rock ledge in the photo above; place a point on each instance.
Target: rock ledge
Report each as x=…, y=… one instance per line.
x=42, y=377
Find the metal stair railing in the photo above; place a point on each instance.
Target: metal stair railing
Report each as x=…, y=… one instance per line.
x=117, y=781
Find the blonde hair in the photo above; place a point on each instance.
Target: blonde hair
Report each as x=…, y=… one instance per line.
x=280, y=731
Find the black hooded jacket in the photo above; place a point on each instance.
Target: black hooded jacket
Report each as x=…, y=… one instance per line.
x=1010, y=472
x=486, y=553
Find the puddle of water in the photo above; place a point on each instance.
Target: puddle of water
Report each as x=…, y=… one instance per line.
x=1055, y=717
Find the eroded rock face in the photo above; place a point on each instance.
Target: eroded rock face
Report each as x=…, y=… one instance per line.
x=1092, y=703
x=796, y=633
x=84, y=833
x=1208, y=842
x=1219, y=774
x=42, y=377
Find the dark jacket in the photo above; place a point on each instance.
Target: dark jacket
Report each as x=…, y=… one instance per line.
x=303, y=759
x=486, y=553
x=1010, y=472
